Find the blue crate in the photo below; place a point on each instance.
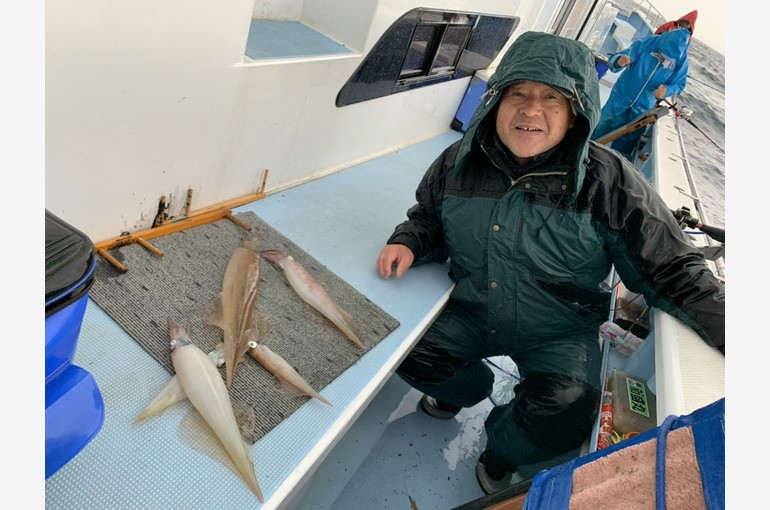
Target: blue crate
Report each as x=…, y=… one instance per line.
x=470, y=102
x=552, y=489
x=74, y=414
x=74, y=410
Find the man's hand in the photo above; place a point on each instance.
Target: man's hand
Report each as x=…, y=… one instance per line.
x=623, y=61
x=660, y=92
x=394, y=255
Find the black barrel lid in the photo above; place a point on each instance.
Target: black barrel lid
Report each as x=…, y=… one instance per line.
x=68, y=256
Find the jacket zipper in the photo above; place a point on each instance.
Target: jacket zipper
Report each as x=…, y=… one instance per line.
x=536, y=174
x=515, y=181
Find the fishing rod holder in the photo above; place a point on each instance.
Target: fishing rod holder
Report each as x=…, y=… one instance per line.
x=685, y=219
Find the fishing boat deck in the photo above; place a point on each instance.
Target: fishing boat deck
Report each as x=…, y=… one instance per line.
x=374, y=448
x=153, y=464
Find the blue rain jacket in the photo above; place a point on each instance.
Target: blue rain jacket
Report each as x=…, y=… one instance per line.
x=632, y=94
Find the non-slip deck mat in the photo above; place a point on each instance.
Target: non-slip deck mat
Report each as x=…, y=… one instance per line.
x=183, y=285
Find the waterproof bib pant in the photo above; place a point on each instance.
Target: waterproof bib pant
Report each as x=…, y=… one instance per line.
x=551, y=413
x=611, y=121
x=627, y=143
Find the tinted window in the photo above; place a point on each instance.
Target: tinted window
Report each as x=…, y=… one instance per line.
x=451, y=46
x=420, y=50
x=425, y=47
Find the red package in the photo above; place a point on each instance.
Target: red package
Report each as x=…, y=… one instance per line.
x=605, y=422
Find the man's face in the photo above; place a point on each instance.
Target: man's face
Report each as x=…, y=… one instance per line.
x=532, y=118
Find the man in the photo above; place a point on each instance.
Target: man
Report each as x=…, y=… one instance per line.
x=532, y=216
x=653, y=68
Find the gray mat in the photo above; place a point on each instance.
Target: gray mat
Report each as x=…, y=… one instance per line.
x=184, y=284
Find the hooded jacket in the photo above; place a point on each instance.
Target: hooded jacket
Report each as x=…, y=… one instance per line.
x=655, y=60
x=531, y=247
x=671, y=25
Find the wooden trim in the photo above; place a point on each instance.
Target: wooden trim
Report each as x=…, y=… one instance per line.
x=193, y=219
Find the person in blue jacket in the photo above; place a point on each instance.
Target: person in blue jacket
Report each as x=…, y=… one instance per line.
x=653, y=68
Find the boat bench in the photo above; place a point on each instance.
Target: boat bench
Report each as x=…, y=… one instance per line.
x=342, y=220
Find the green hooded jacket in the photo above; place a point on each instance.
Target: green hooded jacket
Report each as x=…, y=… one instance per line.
x=531, y=247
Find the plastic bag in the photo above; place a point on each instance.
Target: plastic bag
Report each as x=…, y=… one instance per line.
x=621, y=340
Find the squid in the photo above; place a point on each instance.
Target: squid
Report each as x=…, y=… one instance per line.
x=280, y=368
x=235, y=311
x=313, y=293
x=204, y=387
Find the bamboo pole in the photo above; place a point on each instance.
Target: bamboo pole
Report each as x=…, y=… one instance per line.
x=168, y=228
x=150, y=247
x=112, y=260
x=235, y=220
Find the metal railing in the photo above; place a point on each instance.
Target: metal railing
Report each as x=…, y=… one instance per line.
x=593, y=21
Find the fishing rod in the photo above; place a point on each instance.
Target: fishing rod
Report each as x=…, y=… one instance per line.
x=690, y=77
x=685, y=114
x=684, y=218
x=644, y=119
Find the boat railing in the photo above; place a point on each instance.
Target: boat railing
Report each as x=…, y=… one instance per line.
x=613, y=25
x=719, y=264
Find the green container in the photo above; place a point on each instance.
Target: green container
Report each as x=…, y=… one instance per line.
x=634, y=405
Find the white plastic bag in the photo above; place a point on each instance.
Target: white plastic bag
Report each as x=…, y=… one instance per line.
x=621, y=340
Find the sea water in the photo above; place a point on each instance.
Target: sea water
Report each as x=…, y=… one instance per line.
x=704, y=134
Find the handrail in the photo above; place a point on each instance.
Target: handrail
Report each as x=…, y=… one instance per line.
x=589, y=32
x=720, y=267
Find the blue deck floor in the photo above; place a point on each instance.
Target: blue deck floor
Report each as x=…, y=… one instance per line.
x=395, y=454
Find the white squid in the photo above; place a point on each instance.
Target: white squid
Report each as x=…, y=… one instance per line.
x=172, y=392
x=313, y=293
x=204, y=387
x=280, y=368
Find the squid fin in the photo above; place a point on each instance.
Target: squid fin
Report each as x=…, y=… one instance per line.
x=351, y=334
x=169, y=395
x=216, y=315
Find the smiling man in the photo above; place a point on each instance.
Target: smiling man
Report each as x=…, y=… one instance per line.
x=532, y=216
x=532, y=118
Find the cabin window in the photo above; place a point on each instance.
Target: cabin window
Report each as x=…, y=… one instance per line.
x=433, y=51
x=420, y=48
x=451, y=45
x=426, y=47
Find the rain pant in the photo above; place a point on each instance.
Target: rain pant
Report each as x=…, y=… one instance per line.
x=531, y=248
x=655, y=60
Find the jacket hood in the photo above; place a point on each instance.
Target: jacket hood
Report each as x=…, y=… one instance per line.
x=691, y=17
x=671, y=25
x=558, y=62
